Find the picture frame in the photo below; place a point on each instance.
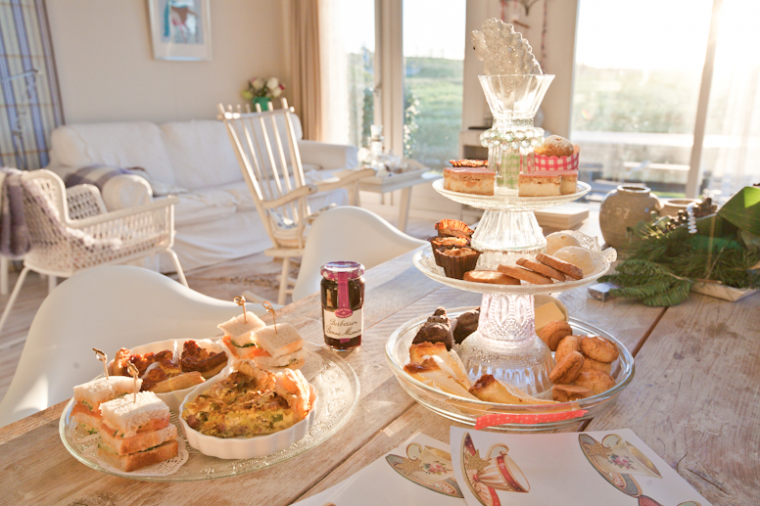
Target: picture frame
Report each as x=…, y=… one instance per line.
x=180, y=29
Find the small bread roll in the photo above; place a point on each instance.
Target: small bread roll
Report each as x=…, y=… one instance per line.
x=554, y=145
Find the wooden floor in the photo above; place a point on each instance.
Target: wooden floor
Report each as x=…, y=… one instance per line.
x=256, y=273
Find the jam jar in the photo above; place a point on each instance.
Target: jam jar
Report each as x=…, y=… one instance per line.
x=342, y=290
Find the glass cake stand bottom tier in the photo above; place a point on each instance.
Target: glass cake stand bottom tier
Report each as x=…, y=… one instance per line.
x=506, y=345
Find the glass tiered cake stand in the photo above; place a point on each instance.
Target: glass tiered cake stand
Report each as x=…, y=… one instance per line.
x=505, y=344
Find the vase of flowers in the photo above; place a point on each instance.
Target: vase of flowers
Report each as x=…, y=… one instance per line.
x=261, y=91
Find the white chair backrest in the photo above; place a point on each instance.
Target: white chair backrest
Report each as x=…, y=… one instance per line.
x=109, y=308
x=271, y=165
x=349, y=233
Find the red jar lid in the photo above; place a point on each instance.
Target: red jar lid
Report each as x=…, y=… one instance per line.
x=351, y=270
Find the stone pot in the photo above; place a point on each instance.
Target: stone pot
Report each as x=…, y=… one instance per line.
x=623, y=208
x=671, y=207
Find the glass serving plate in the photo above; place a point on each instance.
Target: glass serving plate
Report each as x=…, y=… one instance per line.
x=505, y=198
x=337, y=389
x=468, y=411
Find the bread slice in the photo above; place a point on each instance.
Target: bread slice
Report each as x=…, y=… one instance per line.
x=135, y=461
x=240, y=328
x=139, y=442
x=278, y=340
x=104, y=389
x=90, y=421
x=449, y=361
x=128, y=416
x=430, y=373
x=489, y=389
x=292, y=360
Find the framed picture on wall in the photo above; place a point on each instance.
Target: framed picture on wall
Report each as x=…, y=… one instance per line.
x=180, y=29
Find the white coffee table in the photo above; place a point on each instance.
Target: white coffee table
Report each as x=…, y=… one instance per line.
x=403, y=182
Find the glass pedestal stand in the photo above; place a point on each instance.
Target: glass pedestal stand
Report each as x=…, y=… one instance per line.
x=506, y=344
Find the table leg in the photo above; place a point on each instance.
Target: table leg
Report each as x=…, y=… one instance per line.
x=403, y=209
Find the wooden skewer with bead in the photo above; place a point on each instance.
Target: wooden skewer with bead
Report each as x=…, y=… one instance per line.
x=268, y=306
x=240, y=301
x=134, y=373
x=103, y=358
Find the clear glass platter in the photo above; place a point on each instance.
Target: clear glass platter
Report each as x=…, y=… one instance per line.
x=425, y=262
x=506, y=199
x=337, y=388
x=468, y=411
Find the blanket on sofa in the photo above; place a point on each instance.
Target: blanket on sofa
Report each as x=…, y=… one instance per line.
x=15, y=241
x=99, y=175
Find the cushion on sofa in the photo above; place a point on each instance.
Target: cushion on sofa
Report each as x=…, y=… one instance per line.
x=201, y=153
x=114, y=144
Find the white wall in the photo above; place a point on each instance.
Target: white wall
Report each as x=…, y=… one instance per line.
x=107, y=72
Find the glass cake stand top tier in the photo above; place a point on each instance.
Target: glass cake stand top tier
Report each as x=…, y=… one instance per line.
x=505, y=199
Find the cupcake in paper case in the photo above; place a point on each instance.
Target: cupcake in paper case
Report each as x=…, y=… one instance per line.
x=553, y=175
x=446, y=243
x=457, y=261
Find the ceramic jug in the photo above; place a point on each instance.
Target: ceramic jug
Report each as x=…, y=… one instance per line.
x=623, y=208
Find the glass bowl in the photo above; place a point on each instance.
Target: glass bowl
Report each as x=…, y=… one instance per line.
x=337, y=390
x=468, y=411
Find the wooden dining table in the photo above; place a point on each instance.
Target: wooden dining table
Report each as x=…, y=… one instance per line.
x=695, y=400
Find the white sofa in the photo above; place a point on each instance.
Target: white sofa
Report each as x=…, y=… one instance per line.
x=216, y=219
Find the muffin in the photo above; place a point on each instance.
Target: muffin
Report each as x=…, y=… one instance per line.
x=445, y=243
x=457, y=261
x=554, y=145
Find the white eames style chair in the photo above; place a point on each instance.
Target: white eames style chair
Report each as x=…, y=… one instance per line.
x=108, y=308
x=274, y=173
x=349, y=233
x=71, y=231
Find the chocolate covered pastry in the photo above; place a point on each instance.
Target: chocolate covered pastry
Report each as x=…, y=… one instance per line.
x=466, y=324
x=437, y=329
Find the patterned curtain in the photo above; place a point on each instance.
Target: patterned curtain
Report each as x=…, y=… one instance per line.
x=30, y=104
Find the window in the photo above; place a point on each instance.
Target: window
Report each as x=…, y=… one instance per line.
x=636, y=86
x=433, y=64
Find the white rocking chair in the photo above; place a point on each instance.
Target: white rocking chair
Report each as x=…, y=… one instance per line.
x=71, y=231
x=272, y=168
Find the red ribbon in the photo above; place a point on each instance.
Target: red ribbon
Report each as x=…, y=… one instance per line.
x=502, y=418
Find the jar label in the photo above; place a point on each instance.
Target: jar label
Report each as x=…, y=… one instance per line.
x=336, y=327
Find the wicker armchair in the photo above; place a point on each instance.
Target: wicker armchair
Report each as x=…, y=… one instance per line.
x=71, y=230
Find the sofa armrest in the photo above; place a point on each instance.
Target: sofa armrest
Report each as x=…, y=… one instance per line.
x=126, y=190
x=329, y=156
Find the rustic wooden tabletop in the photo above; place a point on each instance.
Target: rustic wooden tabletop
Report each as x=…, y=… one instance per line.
x=695, y=400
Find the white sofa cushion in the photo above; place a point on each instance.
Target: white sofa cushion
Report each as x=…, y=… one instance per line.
x=201, y=206
x=114, y=144
x=201, y=154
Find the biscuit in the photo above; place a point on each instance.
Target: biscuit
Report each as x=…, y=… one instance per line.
x=553, y=332
x=541, y=269
x=565, y=346
x=596, y=381
x=571, y=270
x=566, y=371
x=490, y=277
x=599, y=348
x=590, y=364
x=524, y=274
x=565, y=393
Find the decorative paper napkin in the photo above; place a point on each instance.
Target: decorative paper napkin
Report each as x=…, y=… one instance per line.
x=495, y=469
x=418, y=472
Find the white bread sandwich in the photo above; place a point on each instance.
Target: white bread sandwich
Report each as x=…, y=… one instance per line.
x=89, y=396
x=281, y=345
x=238, y=335
x=136, y=434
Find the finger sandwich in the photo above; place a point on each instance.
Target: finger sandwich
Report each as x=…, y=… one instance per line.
x=136, y=433
x=238, y=335
x=89, y=396
x=281, y=345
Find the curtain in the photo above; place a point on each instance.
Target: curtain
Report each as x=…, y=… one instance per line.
x=30, y=105
x=306, y=66
x=733, y=125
